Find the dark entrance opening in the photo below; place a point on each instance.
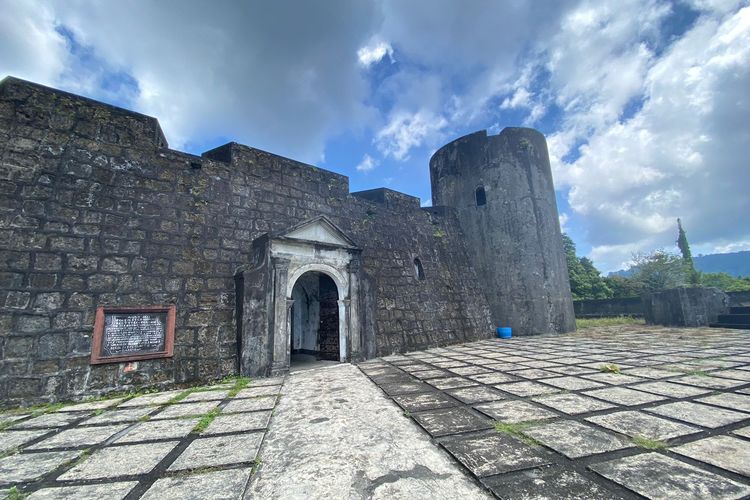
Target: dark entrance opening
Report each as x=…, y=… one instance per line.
x=315, y=319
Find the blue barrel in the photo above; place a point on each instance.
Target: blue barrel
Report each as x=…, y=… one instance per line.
x=504, y=332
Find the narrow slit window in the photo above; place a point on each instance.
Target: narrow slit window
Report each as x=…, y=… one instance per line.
x=418, y=270
x=480, y=196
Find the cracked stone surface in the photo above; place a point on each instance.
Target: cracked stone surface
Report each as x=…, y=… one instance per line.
x=371, y=448
x=738, y=402
x=239, y=422
x=551, y=483
x=699, y=414
x=159, y=429
x=179, y=410
x=27, y=467
x=574, y=439
x=624, y=396
x=635, y=423
x=495, y=453
x=573, y=404
x=250, y=404
x=476, y=394
x=218, y=451
x=722, y=451
x=514, y=411
x=110, y=491
x=451, y=421
x=424, y=401
x=79, y=436
x=658, y=477
x=12, y=439
x=120, y=461
x=224, y=485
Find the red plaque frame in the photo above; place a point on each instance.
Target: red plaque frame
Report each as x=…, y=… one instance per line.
x=96, y=341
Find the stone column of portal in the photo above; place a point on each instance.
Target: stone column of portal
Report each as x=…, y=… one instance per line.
x=355, y=344
x=344, y=317
x=280, y=330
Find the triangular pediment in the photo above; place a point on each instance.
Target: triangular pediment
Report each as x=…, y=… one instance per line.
x=319, y=230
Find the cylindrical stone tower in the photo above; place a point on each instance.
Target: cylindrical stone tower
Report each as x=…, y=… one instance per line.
x=501, y=187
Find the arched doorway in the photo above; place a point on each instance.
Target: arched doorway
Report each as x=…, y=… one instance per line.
x=314, y=322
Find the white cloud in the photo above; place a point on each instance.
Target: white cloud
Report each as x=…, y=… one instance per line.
x=563, y=218
x=30, y=48
x=405, y=131
x=680, y=155
x=374, y=53
x=367, y=164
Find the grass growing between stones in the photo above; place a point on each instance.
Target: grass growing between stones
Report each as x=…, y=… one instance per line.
x=206, y=420
x=583, y=323
x=239, y=384
x=15, y=494
x=610, y=368
x=649, y=444
x=516, y=430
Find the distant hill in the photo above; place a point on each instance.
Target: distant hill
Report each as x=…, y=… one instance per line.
x=735, y=264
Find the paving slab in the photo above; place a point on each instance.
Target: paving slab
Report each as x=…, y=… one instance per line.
x=613, y=378
x=700, y=414
x=49, y=421
x=250, y=404
x=527, y=388
x=492, y=378
x=476, y=394
x=624, y=396
x=574, y=439
x=744, y=432
x=238, y=422
x=429, y=374
x=424, y=401
x=371, y=449
x=636, y=423
x=13, y=439
x=91, y=406
x=405, y=388
x=218, y=485
x=572, y=383
x=451, y=382
x=534, y=374
x=155, y=399
x=726, y=452
x=548, y=483
x=115, y=461
x=205, y=396
x=23, y=467
x=514, y=411
x=117, y=416
x=6, y=418
x=218, y=451
x=573, y=404
x=708, y=381
x=495, y=453
x=179, y=410
x=448, y=421
x=110, y=491
x=660, y=477
x=739, y=402
x=671, y=389
x=261, y=390
x=79, y=436
x=154, y=430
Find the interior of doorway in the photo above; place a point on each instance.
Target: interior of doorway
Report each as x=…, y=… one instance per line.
x=315, y=321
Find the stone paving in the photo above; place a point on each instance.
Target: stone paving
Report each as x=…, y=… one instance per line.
x=149, y=446
x=619, y=412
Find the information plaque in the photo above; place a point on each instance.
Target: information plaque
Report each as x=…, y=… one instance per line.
x=132, y=333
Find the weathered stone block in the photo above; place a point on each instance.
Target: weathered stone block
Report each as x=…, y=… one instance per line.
x=695, y=306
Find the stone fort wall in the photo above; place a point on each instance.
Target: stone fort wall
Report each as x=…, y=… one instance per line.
x=95, y=210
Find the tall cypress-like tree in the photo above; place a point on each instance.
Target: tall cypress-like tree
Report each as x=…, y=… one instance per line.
x=687, y=256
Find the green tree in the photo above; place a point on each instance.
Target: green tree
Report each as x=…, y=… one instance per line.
x=622, y=287
x=726, y=282
x=585, y=280
x=658, y=271
x=687, y=257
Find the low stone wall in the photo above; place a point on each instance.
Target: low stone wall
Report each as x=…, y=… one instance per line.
x=697, y=306
x=602, y=308
x=633, y=306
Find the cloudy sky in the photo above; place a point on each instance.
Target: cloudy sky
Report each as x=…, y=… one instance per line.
x=645, y=104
